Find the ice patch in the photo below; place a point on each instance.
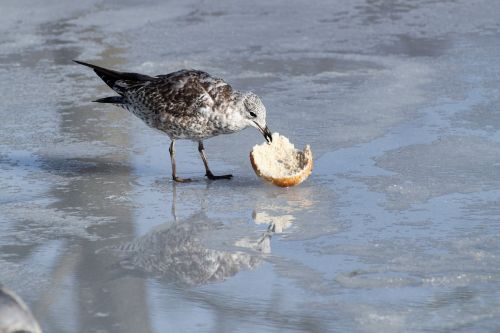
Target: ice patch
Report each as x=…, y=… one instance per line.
x=448, y=165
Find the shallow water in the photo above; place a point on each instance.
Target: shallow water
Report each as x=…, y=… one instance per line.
x=396, y=229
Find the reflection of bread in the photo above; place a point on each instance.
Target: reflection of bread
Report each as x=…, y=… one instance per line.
x=280, y=163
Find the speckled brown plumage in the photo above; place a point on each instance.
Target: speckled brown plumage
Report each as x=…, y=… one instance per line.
x=187, y=104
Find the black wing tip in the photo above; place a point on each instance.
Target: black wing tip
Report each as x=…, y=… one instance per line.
x=94, y=67
x=112, y=100
x=82, y=63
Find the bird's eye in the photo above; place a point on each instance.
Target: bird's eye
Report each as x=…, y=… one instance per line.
x=253, y=114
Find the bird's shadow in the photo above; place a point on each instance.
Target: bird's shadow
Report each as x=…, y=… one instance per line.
x=62, y=165
x=103, y=165
x=83, y=165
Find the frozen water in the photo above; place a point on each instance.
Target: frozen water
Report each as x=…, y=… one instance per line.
x=396, y=229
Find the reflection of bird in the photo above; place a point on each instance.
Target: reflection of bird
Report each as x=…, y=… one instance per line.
x=187, y=104
x=15, y=315
x=174, y=252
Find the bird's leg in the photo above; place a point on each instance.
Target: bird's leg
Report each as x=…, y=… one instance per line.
x=209, y=173
x=171, y=150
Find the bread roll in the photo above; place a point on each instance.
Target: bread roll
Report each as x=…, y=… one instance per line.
x=280, y=163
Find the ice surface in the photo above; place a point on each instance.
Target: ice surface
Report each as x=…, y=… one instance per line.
x=396, y=229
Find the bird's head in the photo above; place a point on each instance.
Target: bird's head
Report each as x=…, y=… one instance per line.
x=255, y=114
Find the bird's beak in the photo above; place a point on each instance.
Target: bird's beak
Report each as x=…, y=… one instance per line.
x=268, y=135
x=266, y=132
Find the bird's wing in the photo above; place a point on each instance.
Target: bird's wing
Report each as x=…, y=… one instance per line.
x=183, y=93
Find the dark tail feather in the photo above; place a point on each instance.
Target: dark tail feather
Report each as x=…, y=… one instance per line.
x=112, y=100
x=110, y=76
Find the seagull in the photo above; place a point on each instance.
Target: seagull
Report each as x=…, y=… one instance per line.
x=187, y=104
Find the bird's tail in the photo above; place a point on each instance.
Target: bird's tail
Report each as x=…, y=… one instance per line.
x=110, y=76
x=112, y=100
